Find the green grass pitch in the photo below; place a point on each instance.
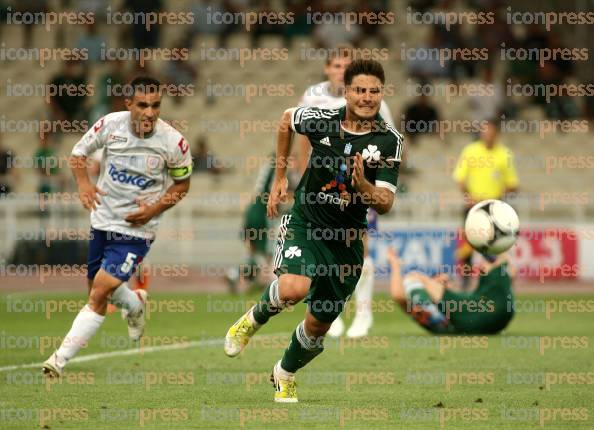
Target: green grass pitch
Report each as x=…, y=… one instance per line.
x=537, y=374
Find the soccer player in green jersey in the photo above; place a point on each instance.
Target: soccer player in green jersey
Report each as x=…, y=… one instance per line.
x=354, y=165
x=441, y=309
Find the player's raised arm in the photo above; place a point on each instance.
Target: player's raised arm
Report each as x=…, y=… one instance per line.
x=278, y=191
x=396, y=287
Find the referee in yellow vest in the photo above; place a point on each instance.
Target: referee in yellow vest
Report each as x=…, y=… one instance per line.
x=484, y=170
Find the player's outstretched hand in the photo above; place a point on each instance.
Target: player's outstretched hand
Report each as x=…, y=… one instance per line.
x=358, y=174
x=88, y=194
x=142, y=215
x=278, y=194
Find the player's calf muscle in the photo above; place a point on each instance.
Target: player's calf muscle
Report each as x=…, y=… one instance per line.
x=315, y=327
x=103, y=285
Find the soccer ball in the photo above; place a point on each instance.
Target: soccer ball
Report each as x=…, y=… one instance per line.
x=492, y=226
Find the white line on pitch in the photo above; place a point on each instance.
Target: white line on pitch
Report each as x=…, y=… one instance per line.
x=132, y=351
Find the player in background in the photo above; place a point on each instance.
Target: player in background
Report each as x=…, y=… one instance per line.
x=330, y=95
x=441, y=309
x=319, y=258
x=146, y=168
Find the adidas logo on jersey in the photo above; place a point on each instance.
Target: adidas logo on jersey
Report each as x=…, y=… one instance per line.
x=325, y=141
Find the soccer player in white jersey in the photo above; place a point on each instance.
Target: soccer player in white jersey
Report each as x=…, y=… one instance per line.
x=330, y=95
x=146, y=168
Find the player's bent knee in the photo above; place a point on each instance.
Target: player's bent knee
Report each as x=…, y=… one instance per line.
x=293, y=288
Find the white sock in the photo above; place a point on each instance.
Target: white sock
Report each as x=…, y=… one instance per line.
x=124, y=297
x=84, y=327
x=364, y=290
x=251, y=318
x=337, y=320
x=282, y=372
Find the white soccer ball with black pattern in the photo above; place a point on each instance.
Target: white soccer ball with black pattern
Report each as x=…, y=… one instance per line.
x=492, y=226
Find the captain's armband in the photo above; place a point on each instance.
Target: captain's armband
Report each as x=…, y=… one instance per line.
x=180, y=173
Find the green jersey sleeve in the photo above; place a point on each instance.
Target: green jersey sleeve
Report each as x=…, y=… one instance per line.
x=387, y=172
x=309, y=120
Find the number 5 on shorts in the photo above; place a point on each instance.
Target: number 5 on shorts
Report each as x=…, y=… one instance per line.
x=127, y=265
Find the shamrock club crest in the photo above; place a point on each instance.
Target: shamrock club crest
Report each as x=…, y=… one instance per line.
x=292, y=251
x=371, y=154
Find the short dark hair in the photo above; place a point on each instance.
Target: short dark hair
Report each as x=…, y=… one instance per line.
x=364, y=67
x=144, y=84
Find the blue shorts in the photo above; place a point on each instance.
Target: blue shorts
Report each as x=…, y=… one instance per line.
x=116, y=253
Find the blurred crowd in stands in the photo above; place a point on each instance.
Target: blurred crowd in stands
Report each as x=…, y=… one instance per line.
x=416, y=109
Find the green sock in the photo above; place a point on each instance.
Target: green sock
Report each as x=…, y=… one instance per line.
x=301, y=350
x=269, y=304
